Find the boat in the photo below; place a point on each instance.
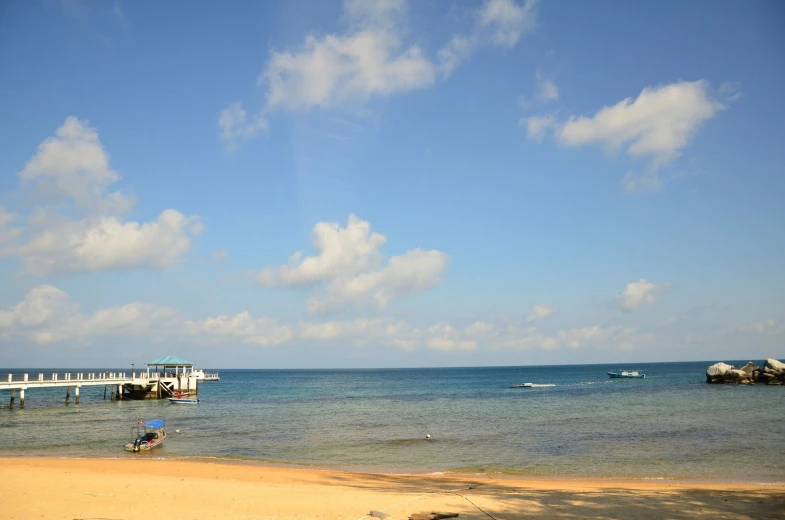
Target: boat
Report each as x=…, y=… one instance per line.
x=184, y=398
x=637, y=374
x=533, y=385
x=149, y=435
x=201, y=375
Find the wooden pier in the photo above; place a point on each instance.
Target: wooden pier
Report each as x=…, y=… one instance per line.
x=175, y=377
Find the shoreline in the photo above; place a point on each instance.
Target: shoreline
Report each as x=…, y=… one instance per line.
x=448, y=473
x=126, y=488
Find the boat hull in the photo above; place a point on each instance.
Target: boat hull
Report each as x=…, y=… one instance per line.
x=614, y=375
x=180, y=400
x=146, y=445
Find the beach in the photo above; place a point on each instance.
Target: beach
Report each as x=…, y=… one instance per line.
x=125, y=489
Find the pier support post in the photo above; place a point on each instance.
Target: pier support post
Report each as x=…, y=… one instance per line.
x=67, y=394
x=104, y=392
x=111, y=395
x=76, y=394
x=21, y=399
x=11, y=405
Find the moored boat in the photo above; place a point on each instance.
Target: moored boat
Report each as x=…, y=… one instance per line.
x=201, y=375
x=149, y=435
x=533, y=385
x=636, y=374
x=184, y=398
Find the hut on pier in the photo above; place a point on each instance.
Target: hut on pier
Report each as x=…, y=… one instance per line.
x=163, y=378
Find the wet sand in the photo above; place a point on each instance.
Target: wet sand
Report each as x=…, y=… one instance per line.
x=150, y=488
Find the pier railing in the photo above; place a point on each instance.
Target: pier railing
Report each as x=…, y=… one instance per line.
x=77, y=376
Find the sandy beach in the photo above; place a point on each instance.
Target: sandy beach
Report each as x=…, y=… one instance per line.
x=127, y=489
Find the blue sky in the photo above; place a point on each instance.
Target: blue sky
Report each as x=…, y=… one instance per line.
x=369, y=184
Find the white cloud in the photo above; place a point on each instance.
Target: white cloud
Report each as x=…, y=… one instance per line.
x=72, y=172
x=498, y=22
x=73, y=167
x=660, y=123
x=414, y=271
x=637, y=294
x=235, y=128
x=218, y=255
x=370, y=59
x=641, y=183
x=538, y=312
x=769, y=326
x=547, y=89
x=507, y=20
x=340, y=252
x=538, y=126
x=47, y=315
x=349, y=262
x=349, y=68
x=259, y=331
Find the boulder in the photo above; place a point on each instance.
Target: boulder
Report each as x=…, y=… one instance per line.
x=773, y=373
x=716, y=372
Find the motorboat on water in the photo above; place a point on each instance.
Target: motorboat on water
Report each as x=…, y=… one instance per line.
x=634, y=374
x=149, y=435
x=533, y=385
x=184, y=398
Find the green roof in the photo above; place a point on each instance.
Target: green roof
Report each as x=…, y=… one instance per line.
x=170, y=361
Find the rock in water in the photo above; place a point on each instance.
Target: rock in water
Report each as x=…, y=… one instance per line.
x=716, y=372
x=773, y=373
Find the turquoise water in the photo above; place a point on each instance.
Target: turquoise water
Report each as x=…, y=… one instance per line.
x=669, y=425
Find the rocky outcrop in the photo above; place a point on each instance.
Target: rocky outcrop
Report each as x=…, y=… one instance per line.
x=772, y=373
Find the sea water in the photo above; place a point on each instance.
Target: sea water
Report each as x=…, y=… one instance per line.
x=670, y=425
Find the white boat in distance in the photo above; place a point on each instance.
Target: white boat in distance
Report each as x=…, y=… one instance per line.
x=201, y=375
x=533, y=385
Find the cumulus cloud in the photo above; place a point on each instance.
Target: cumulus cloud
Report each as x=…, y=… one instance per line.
x=637, y=294
x=235, y=126
x=370, y=59
x=538, y=126
x=546, y=89
x=659, y=123
x=70, y=175
x=47, y=315
x=497, y=22
x=349, y=264
x=243, y=327
x=507, y=20
x=448, y=337
x=769, y=326
x=538, y=312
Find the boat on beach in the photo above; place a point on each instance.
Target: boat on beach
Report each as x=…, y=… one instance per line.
x=533, y=385
x=184, y=398
x=149, y=435
x=634, y=374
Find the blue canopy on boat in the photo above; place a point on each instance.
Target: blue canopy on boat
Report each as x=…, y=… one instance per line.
x=155, y=423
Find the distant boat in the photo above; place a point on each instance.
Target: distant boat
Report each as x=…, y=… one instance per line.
x=201, y=375
x=627, y=374
x=532, y=385
x=149, y=435
x=183, y=398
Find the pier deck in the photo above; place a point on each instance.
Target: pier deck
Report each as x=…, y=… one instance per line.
x=134, y=385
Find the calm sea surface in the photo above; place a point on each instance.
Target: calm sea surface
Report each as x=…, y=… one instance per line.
x=669, y=425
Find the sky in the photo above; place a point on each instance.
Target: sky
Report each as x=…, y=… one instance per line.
x=350, y=184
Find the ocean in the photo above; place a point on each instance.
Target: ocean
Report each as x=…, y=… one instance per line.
x=671, y=425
